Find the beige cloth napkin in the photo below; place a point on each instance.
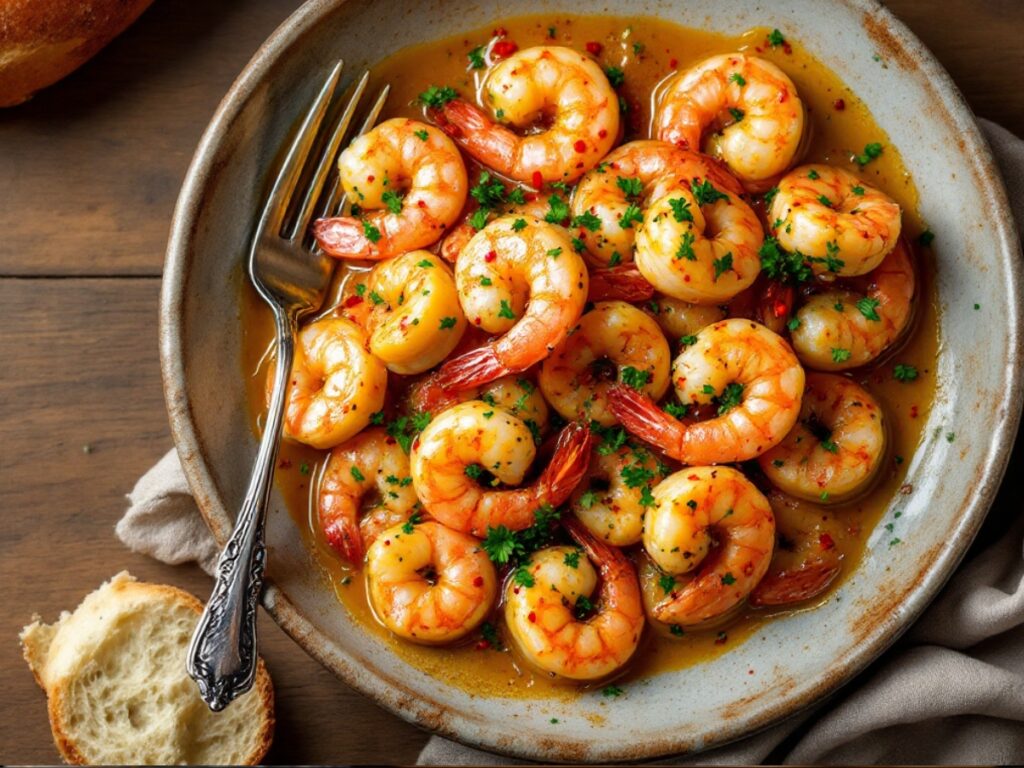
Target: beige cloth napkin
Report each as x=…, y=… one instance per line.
x=951, y=691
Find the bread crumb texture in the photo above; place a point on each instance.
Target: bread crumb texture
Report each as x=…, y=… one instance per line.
x=117, y=689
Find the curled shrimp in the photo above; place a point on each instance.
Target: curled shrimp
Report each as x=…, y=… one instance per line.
x=613, y=341
x=414, y=318
x=751, y=106
x=749, y=371
x=698, y=244
x=409, y=181
x=547, y=610
x=806, y=560
x=335, y=386
x=680, y=319
x=518, y=276
x=711, y=533
x=611, y=197
x=459, y=236
x=565, y=89
x=842, y=225
x=428, y=583
x=844, y=328
x=369, y=472
x=836, y=447
x=615, y=493
x=453, y=456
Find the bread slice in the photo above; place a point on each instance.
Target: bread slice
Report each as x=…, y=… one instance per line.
x=117, y=689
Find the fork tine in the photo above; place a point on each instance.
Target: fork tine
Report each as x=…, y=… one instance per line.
x=291, y=169
x=327, y=159
x=371, y=120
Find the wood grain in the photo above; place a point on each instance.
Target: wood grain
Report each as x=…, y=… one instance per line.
x=89, y=173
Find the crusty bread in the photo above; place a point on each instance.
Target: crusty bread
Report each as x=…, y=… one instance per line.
x=115, y=679
x=41, y=41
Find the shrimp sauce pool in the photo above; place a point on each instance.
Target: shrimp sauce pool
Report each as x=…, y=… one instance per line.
x=539, y=158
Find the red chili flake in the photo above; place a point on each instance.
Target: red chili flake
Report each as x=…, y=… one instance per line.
x=780, y=309
x=285, y=464
x=491, y=256
x=913, y=411
x=416, y=443
x=722, y=637
x=673, y=63
x=371, y=177
x=537, y=179
x=693, y=477
x=515, y=590
x=594, y=48
x=477, y=320
x=602, y=133
x=580, y=146
x=483, y=645
x=478, y=581
x=353, y=301
x=787, y=48
x=839, y=105
x=421, y=203
x=390, y=440
x=826, y=541
x=532, y=617
x=500, y=32
x=503, y=49
x=387, y=542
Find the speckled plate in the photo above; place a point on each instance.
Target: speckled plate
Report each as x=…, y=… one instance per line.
x=801, y=658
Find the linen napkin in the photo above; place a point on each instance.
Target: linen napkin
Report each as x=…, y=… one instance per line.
x=951, y=691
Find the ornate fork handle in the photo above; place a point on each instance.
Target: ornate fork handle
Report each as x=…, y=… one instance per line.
x=223, y=654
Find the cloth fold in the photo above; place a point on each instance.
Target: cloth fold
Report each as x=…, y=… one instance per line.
x=951, y=691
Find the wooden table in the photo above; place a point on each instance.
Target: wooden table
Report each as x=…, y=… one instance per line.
x=89, y=172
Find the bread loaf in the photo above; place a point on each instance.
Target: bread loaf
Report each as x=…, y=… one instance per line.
x=117, y=689
x=41, y=41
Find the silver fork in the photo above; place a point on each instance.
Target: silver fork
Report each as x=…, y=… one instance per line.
x=293, y=279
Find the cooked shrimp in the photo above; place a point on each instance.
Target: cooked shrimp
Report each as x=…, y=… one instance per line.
x=751, y=104
x=522, y=398
x=335, y=386
x=749, y=371
x=837, y=445
x=616, y=490
x=546, y=610
x=459, y=236
x=472, y=439
x=842, y=225
x=614, y=341
x=699, y=245
x=843, y=329
x=806, y=559
x=409, y=181
x=619, y=283
x=679, y=319
x=415, y=319
x=612, y=197
x=518, y=276
x=428, y=583
x=713, y=522
x=370, y=462
x=563, y=89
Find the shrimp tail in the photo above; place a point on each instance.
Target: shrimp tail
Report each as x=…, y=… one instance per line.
x=345, y=538
x=810, y=579
x=482, y=137
x=623, y=282
x=344, y=237
x=568, y=465
x=642, y=417
x=597, y=550
x=472, y=369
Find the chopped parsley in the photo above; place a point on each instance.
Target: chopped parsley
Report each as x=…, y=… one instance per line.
x=688, y=341
x=868, y=307
x=685, y=249
x=728, y=579
x=633, y=187
x=635, y=378
x=611, y=691
x=587, y=499
x=448, y=322
x=904, y=373
x=587, y=220
x=572, y=559
x=737, y=114
x=667, y=582
x=813, y=175
x=730, y=397
x=558, y=210
x=476, y=58
x=524, y=578
x=782, y=265
x=489, y=191
x=925, y=238
x=506, y=310
x=421, y=135
x=436, y=96
x=722, y=265
x=490, y=635
x=871, y=151
x=737, y=78
x=393, y=201
x=555, y=252
x=478, y=219
x=705, y=193
x=681, y=209
x=371, y=232
x=840, y=355
x=519, y=225
x=630, y=215
x=775, y=38
x=356, y=474
x=615, y=76
x=858, y=191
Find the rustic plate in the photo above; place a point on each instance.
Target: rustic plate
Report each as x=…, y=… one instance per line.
x=803, y=657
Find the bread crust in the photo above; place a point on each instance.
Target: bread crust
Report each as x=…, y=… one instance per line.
x=41, y=41
x=37, y=639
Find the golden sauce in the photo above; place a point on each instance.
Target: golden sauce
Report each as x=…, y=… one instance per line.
x=647, y=50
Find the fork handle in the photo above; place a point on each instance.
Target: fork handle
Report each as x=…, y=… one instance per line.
x=222, y=656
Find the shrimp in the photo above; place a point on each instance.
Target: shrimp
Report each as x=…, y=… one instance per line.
x=614, y=341
x=749, y=371
x=428, y=583
x=369, y=462
x=713, y=528
x=751, y=104
x=611, y=197
x=562, y=89
x=518, y=276
x=680, y=319
x=414, y=320
x=453, y=456
x=843, y=226
x=409, y=180
x=615, y=493
x=698, y=244
x=843, y=329
x=836, y=447
x=806, y=559
x=460, y=235
x=554, y=622
x=335, y=386
x=622, y=283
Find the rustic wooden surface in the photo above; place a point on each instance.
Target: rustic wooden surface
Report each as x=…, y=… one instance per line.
x=89, y=172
